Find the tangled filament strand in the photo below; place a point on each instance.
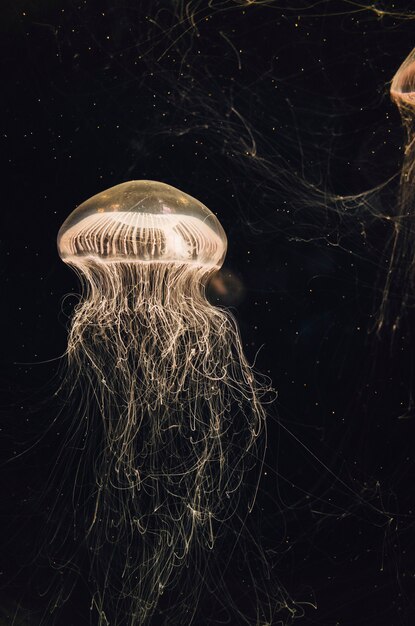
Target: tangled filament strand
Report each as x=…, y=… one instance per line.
x=173, y=415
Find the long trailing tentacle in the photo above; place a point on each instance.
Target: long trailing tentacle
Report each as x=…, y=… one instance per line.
x=173, y=413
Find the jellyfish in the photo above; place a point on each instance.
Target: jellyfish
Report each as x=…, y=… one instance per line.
x=398, y=293
x=171, y=412
x=403, y=95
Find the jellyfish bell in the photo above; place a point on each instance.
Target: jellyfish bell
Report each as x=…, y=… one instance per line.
x=402, y=92
x=144, y=222
x=403, y=83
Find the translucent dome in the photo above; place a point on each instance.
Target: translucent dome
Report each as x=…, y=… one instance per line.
x=142, y=221
x=403, y=83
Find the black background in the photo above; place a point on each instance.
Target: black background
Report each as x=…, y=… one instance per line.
x=266, y=113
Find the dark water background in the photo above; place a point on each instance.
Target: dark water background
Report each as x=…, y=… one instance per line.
x=237, y=105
